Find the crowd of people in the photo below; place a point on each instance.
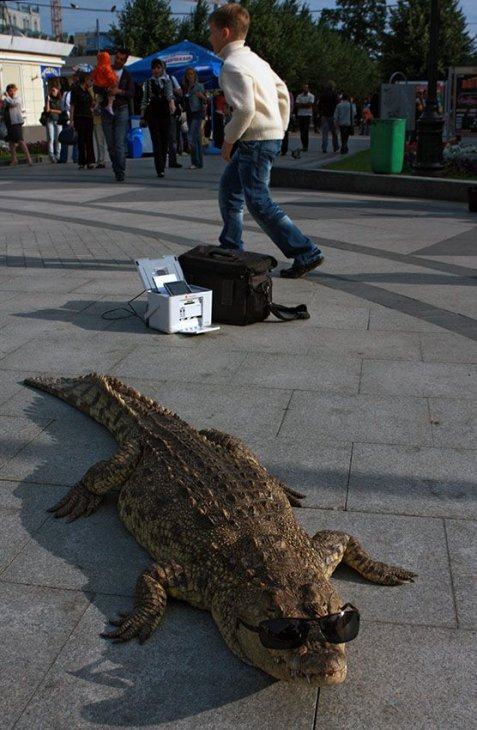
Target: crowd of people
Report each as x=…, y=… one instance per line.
x=89, y=114
x=81, y=114
x=330, y=113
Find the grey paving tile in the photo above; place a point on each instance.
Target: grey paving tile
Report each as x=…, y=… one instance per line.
x=163, y=362
x=379, y=345
x=421, y=379
x=404, y=677
x=413, y=480
x=448, y=348
x=137, y=686
x=94, y=554
x=339, y=418
x=246, y=412
x=16, y=432
x=71, y=353
x=454, y=422
x=462, y=541
x=32, y=499
x=17, y=530
x=383, y=318
x=320, y=473
x=62, y=452
x=305, y=373
x=34, y=625
x=415, y=543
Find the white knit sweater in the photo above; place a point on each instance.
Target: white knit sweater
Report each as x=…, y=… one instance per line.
x=259, y=98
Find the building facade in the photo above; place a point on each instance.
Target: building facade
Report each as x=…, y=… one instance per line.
x=28, y=63
x=22, y=17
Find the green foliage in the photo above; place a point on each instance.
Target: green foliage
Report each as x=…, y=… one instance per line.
x=145, y=26
x=301, y=50
x=406, y=45
x=195, y=28
x=361, y=21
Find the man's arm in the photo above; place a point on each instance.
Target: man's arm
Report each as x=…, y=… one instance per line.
x=238, y=92
x=126, y=86
x=283, y=100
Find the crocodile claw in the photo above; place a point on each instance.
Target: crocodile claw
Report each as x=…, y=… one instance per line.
x=79, y=502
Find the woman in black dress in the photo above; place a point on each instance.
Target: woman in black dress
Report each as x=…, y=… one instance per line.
x=12, y=114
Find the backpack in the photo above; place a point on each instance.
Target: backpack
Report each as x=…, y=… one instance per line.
x=240, y=282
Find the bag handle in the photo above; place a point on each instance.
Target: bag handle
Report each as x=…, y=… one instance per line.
x=224, y=254
x=288, y=314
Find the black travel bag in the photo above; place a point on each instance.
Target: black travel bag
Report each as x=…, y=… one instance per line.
x=240, y=282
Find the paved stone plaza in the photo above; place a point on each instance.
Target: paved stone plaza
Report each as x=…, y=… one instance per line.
x=369, y=408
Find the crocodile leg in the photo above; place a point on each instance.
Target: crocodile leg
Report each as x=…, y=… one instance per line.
x=86, y=496
x=150, y=598
x=237, y=448
x=339, y=547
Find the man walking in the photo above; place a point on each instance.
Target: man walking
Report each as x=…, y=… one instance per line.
x=344, y=118
x=261, y=111
x=304, y=106
x=326, y=109
x=115, y=127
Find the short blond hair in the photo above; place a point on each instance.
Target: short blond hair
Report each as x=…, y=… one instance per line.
x=232, y=16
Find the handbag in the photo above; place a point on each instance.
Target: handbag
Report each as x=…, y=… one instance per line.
x=240, y=282
x=44, y=118
x=68, y=135
x=63, y=118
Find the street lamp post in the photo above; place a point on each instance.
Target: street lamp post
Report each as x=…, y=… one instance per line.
x=430, y=124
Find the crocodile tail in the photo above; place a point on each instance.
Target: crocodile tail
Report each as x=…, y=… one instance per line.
x=93, y=394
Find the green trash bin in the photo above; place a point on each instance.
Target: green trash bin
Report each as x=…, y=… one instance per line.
x=387, y=145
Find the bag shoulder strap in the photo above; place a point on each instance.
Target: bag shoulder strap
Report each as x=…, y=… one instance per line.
x=288, y=314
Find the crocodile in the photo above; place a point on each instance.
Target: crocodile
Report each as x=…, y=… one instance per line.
x=220, y=529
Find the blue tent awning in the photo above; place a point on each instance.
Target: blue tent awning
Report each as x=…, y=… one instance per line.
x=179, y=57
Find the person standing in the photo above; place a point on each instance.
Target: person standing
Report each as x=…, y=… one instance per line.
x=174, y=130
x=286, y=136
x=98, y=135
x=260, y=114
x=13, y=118
x=53, y=111
x=326, y=109
x=194, y=100
x=157, y=106
x=344, y=117
x=304, y=105
x=115, y=127
x=66, y=111
x=82, y=103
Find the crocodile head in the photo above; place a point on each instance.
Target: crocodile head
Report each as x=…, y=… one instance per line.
x=316, y=662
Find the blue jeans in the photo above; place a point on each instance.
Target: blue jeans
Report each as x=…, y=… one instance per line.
x=327, y=126
x=115, y=130
x=52, y=131
x=195, y=142
x=64, y=150
x=245, y=181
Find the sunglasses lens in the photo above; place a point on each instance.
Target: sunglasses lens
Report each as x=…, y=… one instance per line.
x=341, y=627
x=283, y=633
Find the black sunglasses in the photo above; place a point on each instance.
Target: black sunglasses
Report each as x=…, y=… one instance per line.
x=290, y=633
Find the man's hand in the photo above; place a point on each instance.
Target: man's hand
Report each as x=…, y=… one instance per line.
x=172, y=107
x=113, y=91
x=227, y=151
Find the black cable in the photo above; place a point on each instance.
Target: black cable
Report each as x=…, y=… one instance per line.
x=129, y=309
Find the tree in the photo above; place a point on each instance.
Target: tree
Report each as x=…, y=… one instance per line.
x=406, y=45
x=301, y=50
x=195, y=28
x=145, y=26
x=360, y=21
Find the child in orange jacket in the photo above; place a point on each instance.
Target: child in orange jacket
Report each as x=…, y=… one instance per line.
x=104, y=78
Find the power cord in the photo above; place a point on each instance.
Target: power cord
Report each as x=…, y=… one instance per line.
x=129, y=309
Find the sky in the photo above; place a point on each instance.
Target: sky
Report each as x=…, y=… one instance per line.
x=78, y=20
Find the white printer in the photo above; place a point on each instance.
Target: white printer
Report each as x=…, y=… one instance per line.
x=189, y=312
